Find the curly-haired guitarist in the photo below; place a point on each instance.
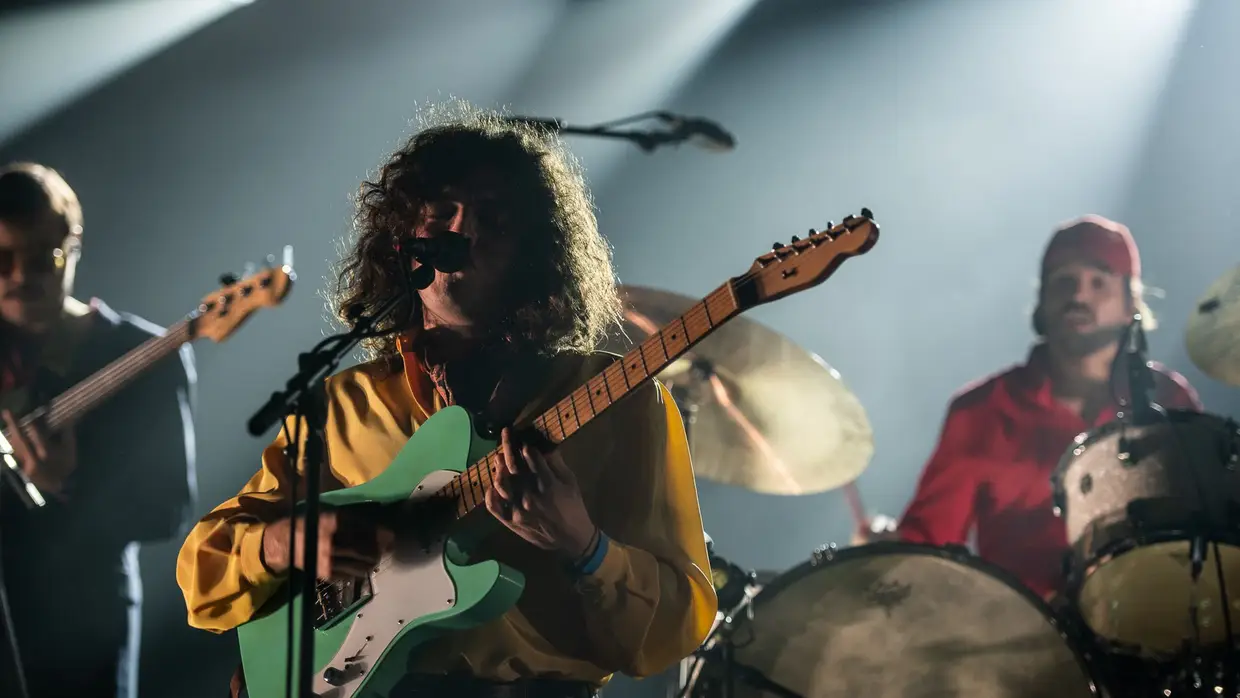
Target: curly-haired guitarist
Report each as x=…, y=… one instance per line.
x=606, y=529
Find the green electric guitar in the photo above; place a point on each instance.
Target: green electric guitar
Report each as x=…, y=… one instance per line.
x=367, y=629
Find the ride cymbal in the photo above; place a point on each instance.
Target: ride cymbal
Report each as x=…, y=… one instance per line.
x=765, y=414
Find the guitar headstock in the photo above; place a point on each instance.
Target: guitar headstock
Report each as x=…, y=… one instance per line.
x=222, y=311
x=806, y=262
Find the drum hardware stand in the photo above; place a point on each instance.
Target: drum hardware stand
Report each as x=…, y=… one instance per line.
x=720, y=647
x=734, y=670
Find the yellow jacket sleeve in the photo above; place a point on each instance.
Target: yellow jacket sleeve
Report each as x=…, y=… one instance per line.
x=220, y=569
x=651, y=602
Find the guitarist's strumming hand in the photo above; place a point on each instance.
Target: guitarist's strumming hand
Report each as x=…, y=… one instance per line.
x=537, y=497
x=47, y=459
x=344, y=551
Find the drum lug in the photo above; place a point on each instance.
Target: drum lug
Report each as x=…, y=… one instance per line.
x=823, y=554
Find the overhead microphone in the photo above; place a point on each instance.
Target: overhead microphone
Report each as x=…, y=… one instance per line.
x=702, y=132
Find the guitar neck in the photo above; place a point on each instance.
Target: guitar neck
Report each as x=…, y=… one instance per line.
x=71, y=405
x=622, y=377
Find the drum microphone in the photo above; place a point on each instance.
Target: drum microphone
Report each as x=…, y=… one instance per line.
x=1135, y=353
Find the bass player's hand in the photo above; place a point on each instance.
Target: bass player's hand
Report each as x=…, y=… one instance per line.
x=536, y=496
x=47, y=459
x=344, y=551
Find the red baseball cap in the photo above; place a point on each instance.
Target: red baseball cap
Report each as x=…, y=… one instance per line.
x=1095, y=239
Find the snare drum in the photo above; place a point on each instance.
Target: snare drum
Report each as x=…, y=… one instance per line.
x=899, y=620
x=1132, y=497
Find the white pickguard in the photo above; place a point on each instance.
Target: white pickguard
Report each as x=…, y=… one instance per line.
x=411, y=583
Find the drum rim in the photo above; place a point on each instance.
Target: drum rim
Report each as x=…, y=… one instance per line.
x=1074, y=581
x=1071, y=630
x=1091, y=437
x=823, y=557
x=1075, y=578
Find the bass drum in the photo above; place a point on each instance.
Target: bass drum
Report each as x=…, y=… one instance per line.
x=899, y=620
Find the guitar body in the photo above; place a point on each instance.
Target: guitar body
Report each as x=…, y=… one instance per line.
x=421, y=589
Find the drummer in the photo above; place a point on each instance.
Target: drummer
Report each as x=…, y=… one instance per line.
x=1003, y=436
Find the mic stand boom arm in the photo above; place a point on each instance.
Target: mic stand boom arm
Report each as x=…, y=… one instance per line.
x=646, y=140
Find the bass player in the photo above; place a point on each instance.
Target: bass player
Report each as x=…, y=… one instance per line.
x=606, y=529
x=990, y=474
x=120, y=476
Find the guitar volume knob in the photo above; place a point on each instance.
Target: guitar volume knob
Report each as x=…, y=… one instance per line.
x=334, y=676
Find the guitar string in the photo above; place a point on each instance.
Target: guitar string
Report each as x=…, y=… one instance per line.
x=695, y=313
x=107, y=379
x=739, y=283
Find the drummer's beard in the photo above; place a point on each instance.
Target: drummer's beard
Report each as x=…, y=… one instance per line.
x=1080, y=344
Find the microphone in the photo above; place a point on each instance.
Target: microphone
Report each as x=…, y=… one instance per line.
x=446, y=252
x=1140, y=376
x=702, y=132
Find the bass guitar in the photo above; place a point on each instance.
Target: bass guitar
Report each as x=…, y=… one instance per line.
x=367, y=629
x=217, y=317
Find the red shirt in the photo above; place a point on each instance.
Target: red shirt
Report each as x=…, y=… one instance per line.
x=991, y=470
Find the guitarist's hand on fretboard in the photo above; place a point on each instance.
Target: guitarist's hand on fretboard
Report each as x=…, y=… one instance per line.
x=349, y=547
x=537, y=497
x=47, y=459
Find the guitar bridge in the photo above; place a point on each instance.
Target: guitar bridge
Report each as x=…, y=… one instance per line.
x=335, y=597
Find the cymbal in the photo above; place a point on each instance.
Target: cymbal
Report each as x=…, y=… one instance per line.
x=766, y=415
x=1213, y=335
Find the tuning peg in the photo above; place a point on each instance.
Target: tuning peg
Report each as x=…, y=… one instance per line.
x=830, y=225
x=777, y=246
x=269, y=262
x=796, y=239
x=867, y=213
x=249, y=270
x=228, y=279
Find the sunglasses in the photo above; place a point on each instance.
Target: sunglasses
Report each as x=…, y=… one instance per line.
x=44, y=260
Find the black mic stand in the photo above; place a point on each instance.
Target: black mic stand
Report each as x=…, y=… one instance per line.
x=1141, y=407
x=304, y=398
x=648, y=141
x=6, y=619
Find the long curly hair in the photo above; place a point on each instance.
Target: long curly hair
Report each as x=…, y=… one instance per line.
x=561, y=290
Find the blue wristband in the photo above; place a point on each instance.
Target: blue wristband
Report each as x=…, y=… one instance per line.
x=595, y=561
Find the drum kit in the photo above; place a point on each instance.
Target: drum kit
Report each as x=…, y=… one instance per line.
x=1151, y=602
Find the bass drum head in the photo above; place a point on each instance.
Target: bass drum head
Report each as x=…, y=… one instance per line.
x=898, y=620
